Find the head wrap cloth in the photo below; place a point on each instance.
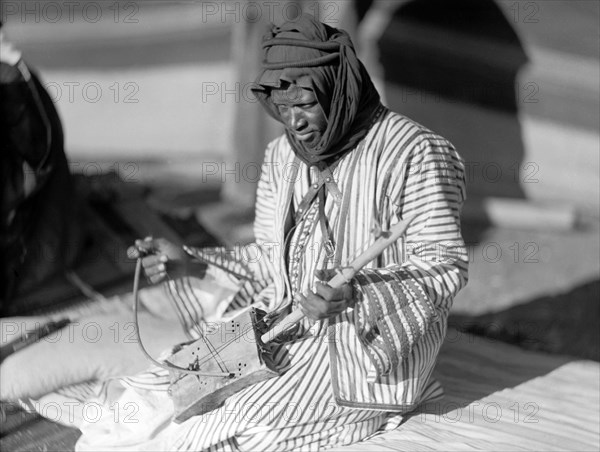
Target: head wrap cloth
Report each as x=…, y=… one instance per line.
x=313, y=55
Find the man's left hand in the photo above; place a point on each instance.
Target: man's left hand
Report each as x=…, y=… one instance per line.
x=325, y=301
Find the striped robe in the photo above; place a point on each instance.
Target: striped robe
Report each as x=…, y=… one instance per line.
x=346, y=375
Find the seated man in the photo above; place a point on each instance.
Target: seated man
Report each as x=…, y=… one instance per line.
x=345, y=167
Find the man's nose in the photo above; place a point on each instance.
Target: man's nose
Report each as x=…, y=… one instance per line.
x=297, y=120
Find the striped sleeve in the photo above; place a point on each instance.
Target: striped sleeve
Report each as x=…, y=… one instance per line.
x=398, y=303
x=248, y=263
x=244, y=262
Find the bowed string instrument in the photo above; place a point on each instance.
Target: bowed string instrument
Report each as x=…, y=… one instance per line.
x=236, y=353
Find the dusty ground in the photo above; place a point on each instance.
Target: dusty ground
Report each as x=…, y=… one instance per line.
x=543, y=292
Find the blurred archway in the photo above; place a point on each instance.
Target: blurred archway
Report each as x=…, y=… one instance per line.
x=453, y=66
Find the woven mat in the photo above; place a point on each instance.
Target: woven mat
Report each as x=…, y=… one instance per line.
x=498, y=397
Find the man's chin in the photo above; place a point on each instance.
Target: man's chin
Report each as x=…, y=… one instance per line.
x=311, y=144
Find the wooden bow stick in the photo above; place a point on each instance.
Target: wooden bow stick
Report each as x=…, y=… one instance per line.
x=345, y=274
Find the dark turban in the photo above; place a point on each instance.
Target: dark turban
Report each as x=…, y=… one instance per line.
x=313, y=55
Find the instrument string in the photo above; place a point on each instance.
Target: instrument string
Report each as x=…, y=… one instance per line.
x=205, y=359
x=213, y=351
x=166, y=365
x=221, y=347
x=214, y=354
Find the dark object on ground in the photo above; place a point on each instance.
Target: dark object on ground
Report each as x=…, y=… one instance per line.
x=103, y=265
x=25, y=431
x=30, y=338
x=114, y=213
x=564, y=324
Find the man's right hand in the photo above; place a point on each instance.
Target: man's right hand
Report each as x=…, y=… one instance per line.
x=160, y=258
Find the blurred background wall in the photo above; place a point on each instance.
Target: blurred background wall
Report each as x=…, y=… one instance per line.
x=513, y=84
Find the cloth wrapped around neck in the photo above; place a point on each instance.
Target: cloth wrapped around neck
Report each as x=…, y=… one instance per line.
x=316, y=56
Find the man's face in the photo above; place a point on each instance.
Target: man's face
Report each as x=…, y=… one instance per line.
x=301, y=113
